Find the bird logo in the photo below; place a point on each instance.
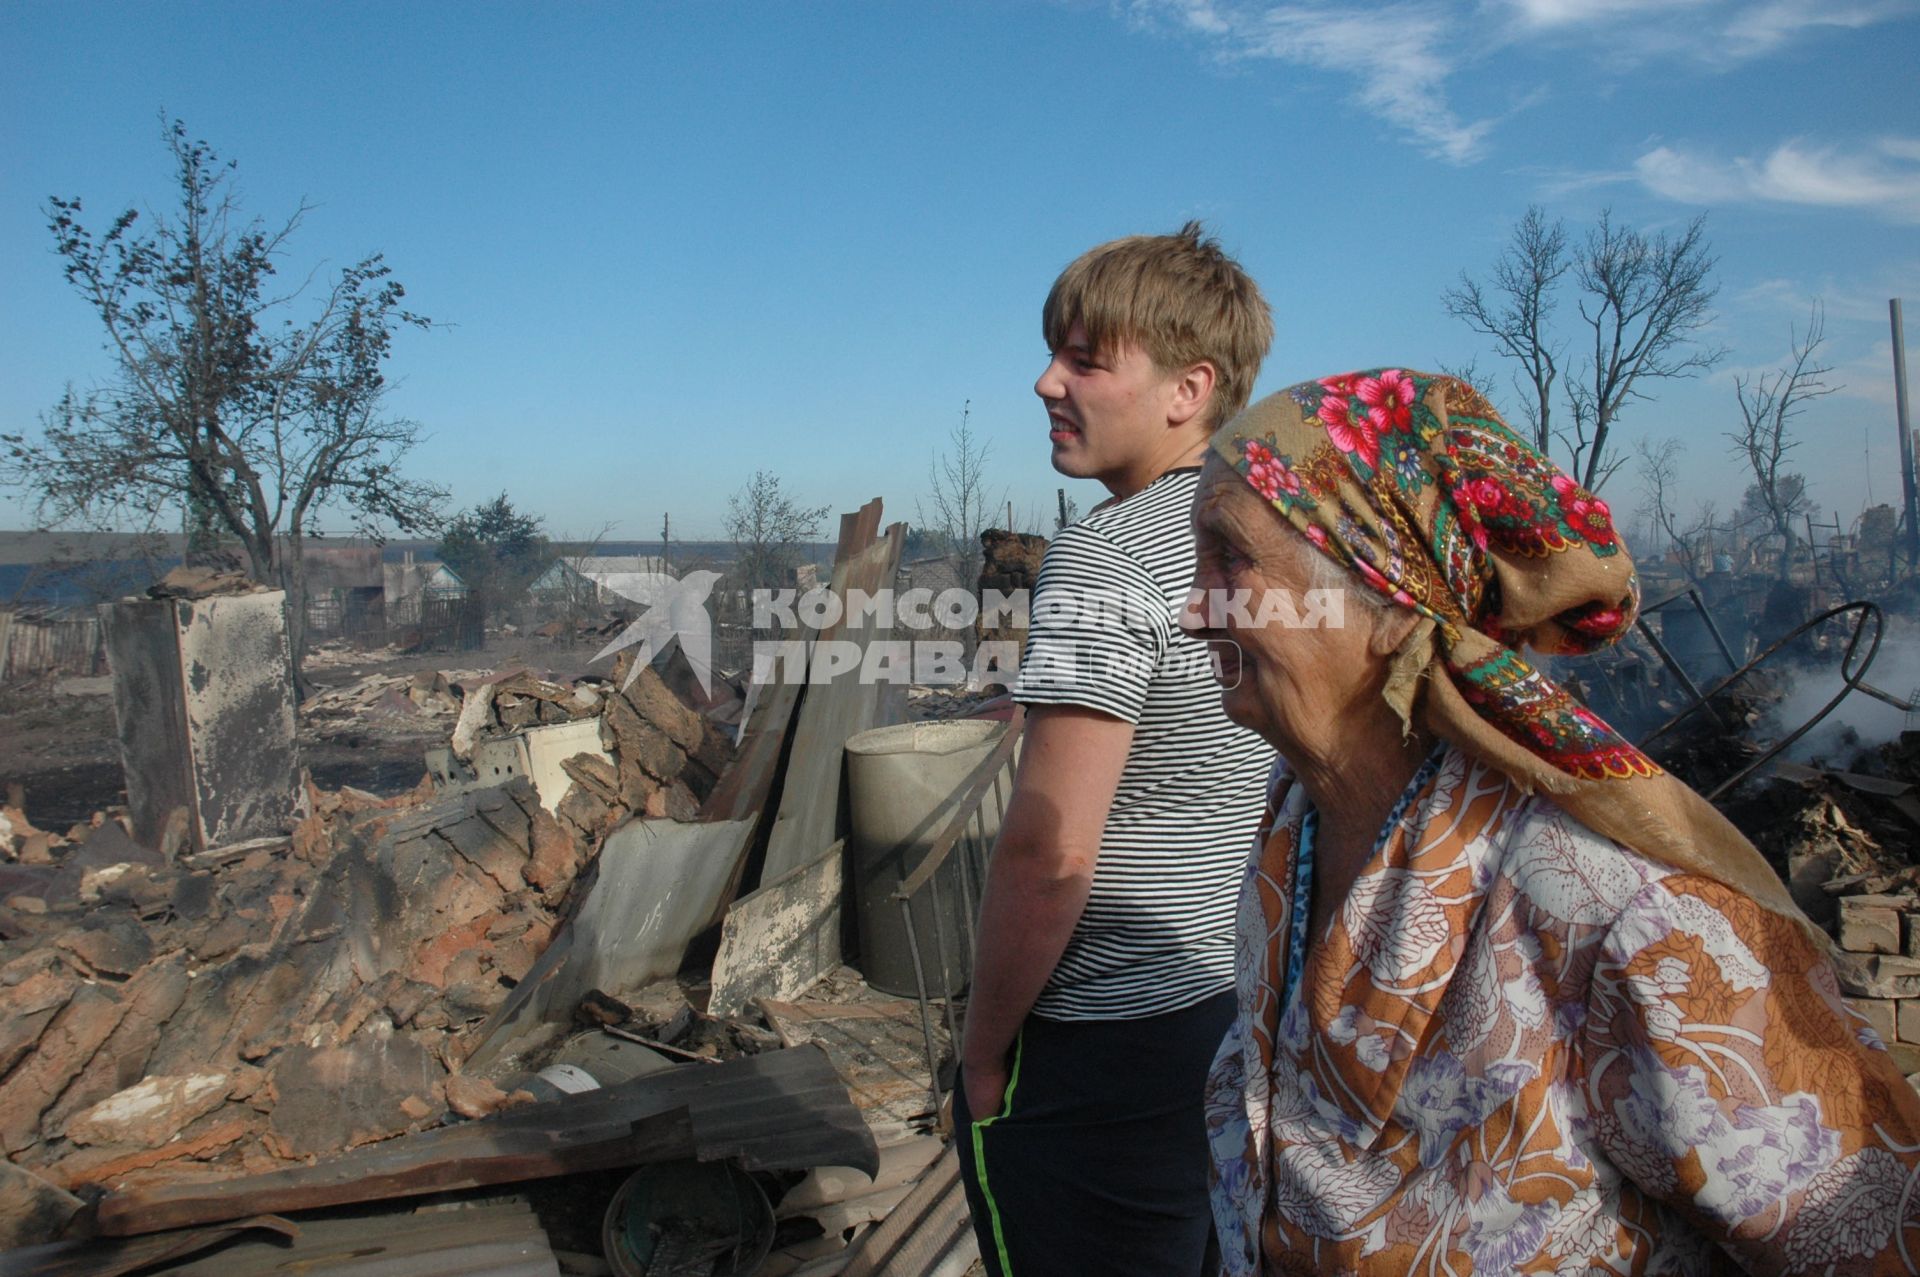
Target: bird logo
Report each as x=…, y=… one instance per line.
x=675, y=611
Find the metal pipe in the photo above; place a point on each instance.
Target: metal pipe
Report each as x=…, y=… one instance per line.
x=1852, y=678
x=1906, y=433
x=946, y=977
x=1660, y=649
x=926, y=1017
x=965, y=877
x=1706, y=614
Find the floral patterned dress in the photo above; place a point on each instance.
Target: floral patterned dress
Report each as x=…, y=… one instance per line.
x=1520, y=1047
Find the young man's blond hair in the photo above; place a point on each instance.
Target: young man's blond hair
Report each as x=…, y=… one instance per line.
x=1180, y=297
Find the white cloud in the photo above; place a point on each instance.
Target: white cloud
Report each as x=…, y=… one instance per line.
x=1402, y=56
x=1883, y=179
x=1755, y=30
x=1716, y=33
x=1398, y=53
x=1565, y=13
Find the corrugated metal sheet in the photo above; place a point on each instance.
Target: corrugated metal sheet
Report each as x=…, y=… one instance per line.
x=472, y=1239
x=485, y=1239
x=927, y=1235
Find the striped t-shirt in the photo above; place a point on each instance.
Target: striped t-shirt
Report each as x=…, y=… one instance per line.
x=1157, y=932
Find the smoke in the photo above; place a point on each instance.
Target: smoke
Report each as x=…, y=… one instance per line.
x=1860, y=722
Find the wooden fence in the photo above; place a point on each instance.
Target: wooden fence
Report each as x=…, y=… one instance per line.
x=64, y=642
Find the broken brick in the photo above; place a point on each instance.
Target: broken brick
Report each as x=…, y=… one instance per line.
x=475, y=1097
x=655, y=702
x=1870, y=924
x=150, y=998
x=63, y=1050
x=109, y=944
x=110, y=1167
x=337, y=1097
x=636, y=741
x=151, y=1111
x=482, y=846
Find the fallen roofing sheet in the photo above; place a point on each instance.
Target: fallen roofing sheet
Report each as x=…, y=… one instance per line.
x=482, y=1239
x=779, y=1110
x=471, y=1239
x=659, y=881
x=123, y=1255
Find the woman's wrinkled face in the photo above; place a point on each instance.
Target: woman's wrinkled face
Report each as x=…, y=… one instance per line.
x=1294, y=656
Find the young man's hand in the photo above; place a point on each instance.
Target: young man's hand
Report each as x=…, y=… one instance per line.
x=986, y=1087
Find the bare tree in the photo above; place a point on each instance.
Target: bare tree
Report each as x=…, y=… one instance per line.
x=767, y=528
x=1516, y=315
x=1690, y=546
x=250, y=422
x=1769, y=402
x=959, y=504
x=573, y=594
x=1642, y=301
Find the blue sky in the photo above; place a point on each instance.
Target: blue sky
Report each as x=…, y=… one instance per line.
x=672, y=243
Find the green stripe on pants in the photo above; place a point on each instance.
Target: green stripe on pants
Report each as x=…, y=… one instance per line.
x=980, y=1154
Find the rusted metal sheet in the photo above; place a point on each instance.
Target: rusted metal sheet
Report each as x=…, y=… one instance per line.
x=781, y=1110
x=650, y=891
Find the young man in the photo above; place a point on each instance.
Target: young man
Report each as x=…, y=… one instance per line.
x=1103, y=979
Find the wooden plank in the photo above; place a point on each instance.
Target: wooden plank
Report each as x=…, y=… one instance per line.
x=812, y=805
x=882, y=1058
x=747, y=790
x=798, y=1013
x=782, y=938
x=780, y=1110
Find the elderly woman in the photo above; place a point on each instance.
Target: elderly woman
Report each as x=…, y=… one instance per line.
x=1510, y=998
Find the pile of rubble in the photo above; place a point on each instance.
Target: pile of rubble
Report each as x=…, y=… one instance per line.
x=435, y=693
x=643, y=752
x=171, y=1012
x=168, y=1009
x=395, y=996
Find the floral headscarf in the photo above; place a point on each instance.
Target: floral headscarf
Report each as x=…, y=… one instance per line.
x=1413, y=483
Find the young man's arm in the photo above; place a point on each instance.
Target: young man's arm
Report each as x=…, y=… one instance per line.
x=1037, y=881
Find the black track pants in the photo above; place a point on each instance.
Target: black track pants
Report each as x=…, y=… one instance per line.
x=1096, y=1163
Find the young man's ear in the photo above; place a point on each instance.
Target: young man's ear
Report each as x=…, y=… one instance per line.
x=1192, y=392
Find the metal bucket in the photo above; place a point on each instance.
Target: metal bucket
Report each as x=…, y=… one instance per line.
x=688, y=1219
x=901, y=786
